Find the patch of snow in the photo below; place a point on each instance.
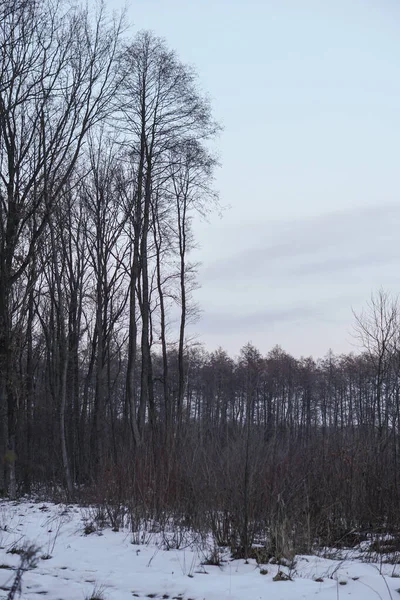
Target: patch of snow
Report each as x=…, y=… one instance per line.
x=72, y=565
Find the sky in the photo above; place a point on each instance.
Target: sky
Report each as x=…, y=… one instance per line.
x=308, y=95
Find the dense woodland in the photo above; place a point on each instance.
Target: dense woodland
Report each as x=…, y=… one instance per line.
x=105, y=159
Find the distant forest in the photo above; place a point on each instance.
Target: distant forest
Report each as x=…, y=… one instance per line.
x=105, y=160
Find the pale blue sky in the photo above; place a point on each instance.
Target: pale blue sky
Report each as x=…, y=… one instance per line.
x=308, y=93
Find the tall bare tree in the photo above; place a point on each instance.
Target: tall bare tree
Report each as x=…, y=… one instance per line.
x=58, y=78
x=162, y=109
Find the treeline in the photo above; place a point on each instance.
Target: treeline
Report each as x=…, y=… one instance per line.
x=104, y=161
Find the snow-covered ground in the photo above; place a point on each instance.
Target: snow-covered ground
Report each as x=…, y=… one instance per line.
x=74, y=565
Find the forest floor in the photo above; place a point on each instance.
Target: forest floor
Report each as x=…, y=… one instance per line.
x=104, y=564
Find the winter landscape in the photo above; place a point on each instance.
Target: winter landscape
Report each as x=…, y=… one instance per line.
x=199, y=310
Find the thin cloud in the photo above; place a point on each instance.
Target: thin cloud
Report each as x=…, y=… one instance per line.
x=224, y=322
x=325, y=244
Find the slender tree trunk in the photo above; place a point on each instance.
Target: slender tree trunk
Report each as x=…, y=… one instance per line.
x=130, y=393
x=63, y=402
x=181, y=210
x=3, y=387
x=146, y=390
x=167, y=399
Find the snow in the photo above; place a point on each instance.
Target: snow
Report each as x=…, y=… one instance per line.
x=74, y=565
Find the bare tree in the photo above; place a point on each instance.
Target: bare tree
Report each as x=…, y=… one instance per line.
x=161, y=110
x=58, y=78
x=377, y=329
x=191, y=173
x=107, y=250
